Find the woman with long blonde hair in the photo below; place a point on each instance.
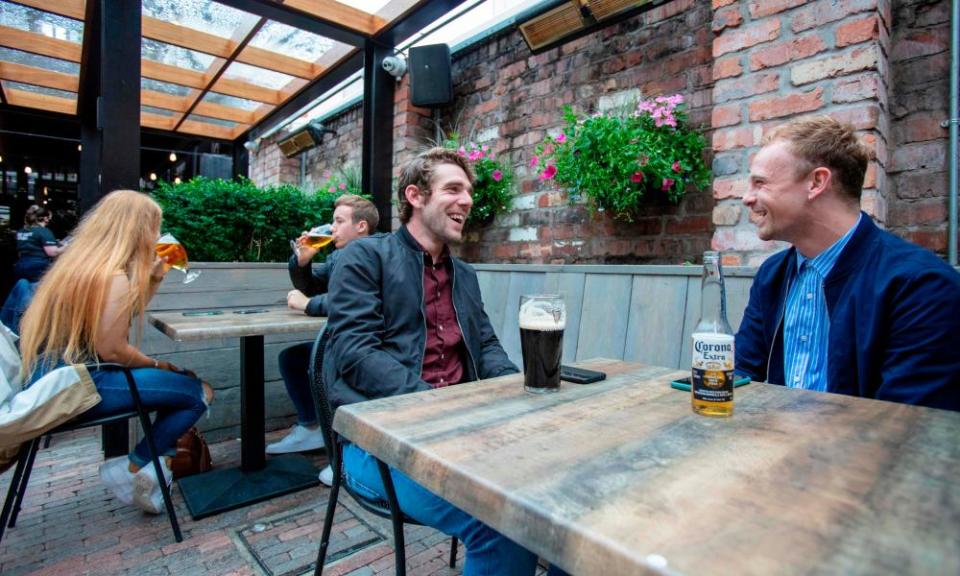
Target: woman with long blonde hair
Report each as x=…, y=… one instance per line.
x=82, y=312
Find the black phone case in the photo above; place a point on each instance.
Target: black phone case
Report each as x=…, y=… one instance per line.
x=580, y=375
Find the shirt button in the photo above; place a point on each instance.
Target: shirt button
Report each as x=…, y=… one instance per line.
x=796, y=378
x=442, y=356
x=441, y=327
x=809, y=295
x=803, y=338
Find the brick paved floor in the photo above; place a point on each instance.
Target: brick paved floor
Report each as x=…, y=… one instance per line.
x=71, y=525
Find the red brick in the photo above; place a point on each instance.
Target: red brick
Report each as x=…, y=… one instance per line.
x=778, y=54
x=730, y=187
x=731, y=41
x=935, y=240
x=817, y=14
x=725, y=116
x=920, y=43
x=924, y=211
x=760, y=8
x=863, y=87
x=921, y=126
x=727, y=18
x=923, y=155
x=722, y=3
x=922, y=184
x=668, y=10
x=688, y=225
x=863, y=117
x=856, y=60
x=779, y=107
x=858, y=31
x=726, y=68
x=725, y=90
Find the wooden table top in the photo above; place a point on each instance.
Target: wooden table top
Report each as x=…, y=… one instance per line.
x=274, y=320
x=620, y=477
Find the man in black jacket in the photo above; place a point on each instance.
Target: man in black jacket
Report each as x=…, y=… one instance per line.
x=353, y=217
x=405, y=316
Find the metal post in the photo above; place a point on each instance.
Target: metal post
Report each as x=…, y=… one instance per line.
x=378, y=87
x=119, y=109
x=954, y=118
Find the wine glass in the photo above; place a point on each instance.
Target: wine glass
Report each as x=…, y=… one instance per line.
x=317, y=238
x=175, y=256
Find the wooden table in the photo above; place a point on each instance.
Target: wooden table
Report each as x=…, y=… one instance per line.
x=257, y=478
x=620, y=477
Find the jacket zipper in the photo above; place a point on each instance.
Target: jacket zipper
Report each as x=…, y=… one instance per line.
x=423, y=313
x=453, y=297
x=783, y=313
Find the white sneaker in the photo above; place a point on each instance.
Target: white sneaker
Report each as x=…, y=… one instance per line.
x=116, y=475
x=299, y=439
x=147, y=494
x=326, y=476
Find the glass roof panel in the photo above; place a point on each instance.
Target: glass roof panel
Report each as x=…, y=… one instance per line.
x=368, y=6
x=215, y=121
x=158, y=111
x=202, y=15
x=291, y=41
x=40, y=22
x=232, y=101
x=175, y=55
x=258, y=76
x=37, y=61
x=165, y=87
x=39, y=90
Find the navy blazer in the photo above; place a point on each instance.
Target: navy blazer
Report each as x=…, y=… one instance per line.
x=894, y=313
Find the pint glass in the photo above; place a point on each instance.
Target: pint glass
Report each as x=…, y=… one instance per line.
x=542, y=319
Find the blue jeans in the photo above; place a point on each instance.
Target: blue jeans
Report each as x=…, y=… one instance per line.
x=489, y=553
x=294, y=368
x=177, y=399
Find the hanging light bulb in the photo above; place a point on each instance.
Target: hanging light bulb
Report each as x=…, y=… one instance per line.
x=79, y=147
x=176, y=180
x=28, y=170
x=173, y=157
x=153, y=176
x=1, y=158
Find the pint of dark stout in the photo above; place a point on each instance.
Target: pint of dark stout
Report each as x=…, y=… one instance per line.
x=542, y=320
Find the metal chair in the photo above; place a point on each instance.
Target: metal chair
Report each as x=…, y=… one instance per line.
x=18, y=485
x=389, y=509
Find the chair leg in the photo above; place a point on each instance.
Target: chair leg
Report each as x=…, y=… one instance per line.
x=15, y=483
x=328, y=524
x=396, y=518
x=453, y=552
x=34, y=448
x=46, y=442
x=155, y=457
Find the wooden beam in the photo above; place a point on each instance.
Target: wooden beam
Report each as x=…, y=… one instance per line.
x=341, y=14
x=242, y=89
x=150, y=120
x=224, y=112
x=209, y=130
x=165, y=101
x=279, y=63
x=39, y=44
x=38, y=77
x=41, y=101
x=70, y=8
x=182, y=104
x=199, y=80
x=173, y=74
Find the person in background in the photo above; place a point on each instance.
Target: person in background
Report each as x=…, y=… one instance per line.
x=849, y=308
x=36, y=245
x=405, y=316
x=82, y=312
x=353, y=217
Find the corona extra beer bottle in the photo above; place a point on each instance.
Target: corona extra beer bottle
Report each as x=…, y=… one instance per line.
x=711, y=381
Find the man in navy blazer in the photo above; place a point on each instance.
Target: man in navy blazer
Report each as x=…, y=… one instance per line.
x=848, y=308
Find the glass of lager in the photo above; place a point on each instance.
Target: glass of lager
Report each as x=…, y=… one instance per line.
x=317, y=238
x=175, y=256
x=542, y=320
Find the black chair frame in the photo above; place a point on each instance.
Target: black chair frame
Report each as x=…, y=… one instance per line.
x=21, y=476
x=389, y=509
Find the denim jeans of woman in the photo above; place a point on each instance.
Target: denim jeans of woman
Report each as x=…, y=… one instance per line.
x=489, y=553
x=294, y=364
x=176, y=398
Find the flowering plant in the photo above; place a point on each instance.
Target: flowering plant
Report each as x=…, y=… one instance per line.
x=493, y=186
x=347, y=180
x=613, y=159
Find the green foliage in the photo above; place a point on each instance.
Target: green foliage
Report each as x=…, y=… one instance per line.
x=613, y=159
x=235, y=221
x=347, y=180
x=493, y=187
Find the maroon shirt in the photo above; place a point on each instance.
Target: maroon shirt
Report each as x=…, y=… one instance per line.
x=443, y=358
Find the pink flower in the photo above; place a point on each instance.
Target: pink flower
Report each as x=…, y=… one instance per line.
x=462, y=152
x=326, y=174
x=342, y=186
x=548, y=173
x=561, y=138
x=475, y=155
x=667, y=184
x=497, y=175
x=676, y=166
x=484, y=147
x=534, y=161
x=331, y=189
x=637, y=177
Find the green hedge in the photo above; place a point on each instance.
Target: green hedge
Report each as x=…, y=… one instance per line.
x=235, y=221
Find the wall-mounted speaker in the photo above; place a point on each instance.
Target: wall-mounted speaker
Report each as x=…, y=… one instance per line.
x=431, y=83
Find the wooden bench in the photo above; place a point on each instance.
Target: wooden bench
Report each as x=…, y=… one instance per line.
x=639, y=313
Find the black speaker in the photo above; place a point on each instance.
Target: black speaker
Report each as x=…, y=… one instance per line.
x=430, y=80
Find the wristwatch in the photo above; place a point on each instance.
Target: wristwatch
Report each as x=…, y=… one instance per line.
x=156, y=363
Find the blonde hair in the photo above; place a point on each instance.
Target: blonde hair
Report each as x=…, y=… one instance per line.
x=63, y=318
x=363, y=210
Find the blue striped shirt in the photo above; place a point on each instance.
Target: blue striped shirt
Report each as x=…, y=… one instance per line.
x=806, y=324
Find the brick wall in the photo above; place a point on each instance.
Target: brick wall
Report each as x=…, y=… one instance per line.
x=920, y=70
x=777, y=59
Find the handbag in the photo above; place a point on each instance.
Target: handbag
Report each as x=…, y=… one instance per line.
x=193, y=455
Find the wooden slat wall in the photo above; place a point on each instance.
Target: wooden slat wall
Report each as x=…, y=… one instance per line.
x=637, y=313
